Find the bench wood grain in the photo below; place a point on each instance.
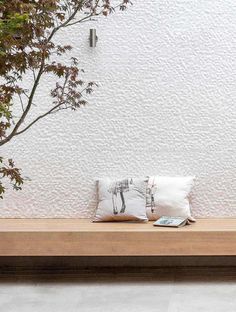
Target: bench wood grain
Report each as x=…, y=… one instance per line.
x=81, y=237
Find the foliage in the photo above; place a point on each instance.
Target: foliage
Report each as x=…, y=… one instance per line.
x=9, y=171
x=28, y=46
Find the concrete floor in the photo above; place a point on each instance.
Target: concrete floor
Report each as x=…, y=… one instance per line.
x=117, y=290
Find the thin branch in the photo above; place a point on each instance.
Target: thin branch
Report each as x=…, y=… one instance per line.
x=60, y=109
x=48, y=112
x=25, y=94
x=38, y=118
x=86, y=18
x=69, y=7
x=21, y=102
x=72, y=16
x=19, y=96
x=27, y=109
x=34, y=74
x=82, y=91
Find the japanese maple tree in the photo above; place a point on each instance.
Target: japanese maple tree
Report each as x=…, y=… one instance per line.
x=28, y=47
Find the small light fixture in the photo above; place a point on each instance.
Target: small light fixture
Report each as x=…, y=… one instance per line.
x=93, y=38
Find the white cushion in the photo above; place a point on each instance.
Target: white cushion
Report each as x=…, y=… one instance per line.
x=169, y=196
x=121, y=200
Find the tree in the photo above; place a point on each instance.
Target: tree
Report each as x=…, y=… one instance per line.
x=27, y=46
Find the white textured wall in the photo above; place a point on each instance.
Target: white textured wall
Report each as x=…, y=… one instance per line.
x=165, y=105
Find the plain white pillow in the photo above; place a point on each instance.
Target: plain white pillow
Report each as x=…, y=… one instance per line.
x=169, y=196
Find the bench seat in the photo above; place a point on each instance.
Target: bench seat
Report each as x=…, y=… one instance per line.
x=81, y=237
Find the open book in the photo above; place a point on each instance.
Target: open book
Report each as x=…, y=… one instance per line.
x=171, y=221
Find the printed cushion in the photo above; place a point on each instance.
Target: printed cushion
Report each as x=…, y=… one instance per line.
x=121, y=200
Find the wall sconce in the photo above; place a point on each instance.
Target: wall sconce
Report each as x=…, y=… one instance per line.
x=93, y=38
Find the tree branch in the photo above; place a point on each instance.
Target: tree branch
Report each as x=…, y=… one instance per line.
x=27, y=109
x=37, y=79
x=93, y=14
x=47, y=113
x=86, y=17
x=72, y=16
x=38, y=118
x=21, y=102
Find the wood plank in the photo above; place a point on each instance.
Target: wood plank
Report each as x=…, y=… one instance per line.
x=81, y=237
x=85, y=225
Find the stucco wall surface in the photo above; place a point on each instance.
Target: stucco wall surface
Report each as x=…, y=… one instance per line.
x=165, y=105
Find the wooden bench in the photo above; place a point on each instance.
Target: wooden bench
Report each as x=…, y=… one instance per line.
x=81, y=237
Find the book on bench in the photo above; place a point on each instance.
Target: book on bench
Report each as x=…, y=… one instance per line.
x=171, y=221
